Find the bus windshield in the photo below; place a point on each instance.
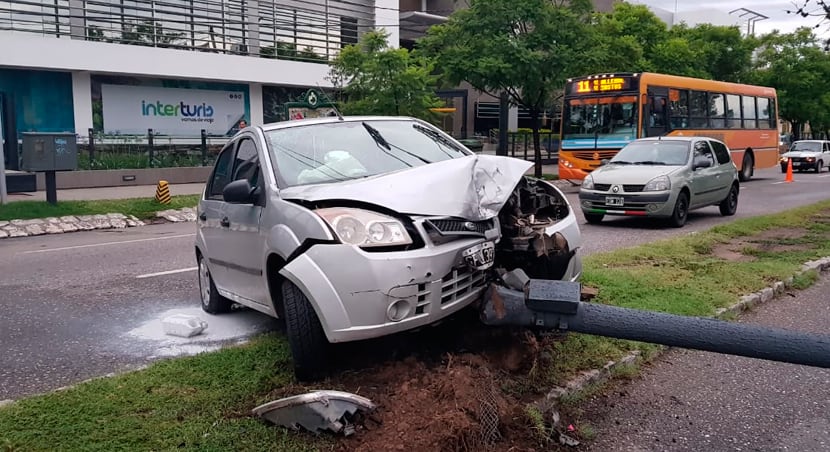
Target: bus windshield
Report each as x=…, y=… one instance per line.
x=598, y=118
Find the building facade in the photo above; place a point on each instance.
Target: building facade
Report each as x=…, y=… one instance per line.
x=175, y=66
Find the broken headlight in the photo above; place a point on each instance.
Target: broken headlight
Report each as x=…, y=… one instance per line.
x=364, y=228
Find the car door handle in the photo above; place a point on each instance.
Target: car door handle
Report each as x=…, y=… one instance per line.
x=225, y=222
x=203, y=217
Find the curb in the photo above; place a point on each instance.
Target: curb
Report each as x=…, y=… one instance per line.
x=75, y=223
x=550, y=400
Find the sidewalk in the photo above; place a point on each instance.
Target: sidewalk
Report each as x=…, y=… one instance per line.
x=87, y=194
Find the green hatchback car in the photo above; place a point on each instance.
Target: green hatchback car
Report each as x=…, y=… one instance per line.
x=662, y=177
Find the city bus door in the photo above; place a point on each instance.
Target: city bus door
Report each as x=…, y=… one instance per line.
x=656, y=112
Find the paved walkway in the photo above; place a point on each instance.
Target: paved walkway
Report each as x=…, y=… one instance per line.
x=134, y=191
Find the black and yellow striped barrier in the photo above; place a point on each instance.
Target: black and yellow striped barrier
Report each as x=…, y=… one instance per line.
x=163, y=192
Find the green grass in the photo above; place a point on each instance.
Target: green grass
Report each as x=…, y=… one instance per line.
x=140, y=207
x=197, y=403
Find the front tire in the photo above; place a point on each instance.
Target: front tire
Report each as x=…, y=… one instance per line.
x=211, y=301
x=747, y=168
x=681, y=210
x=309, y=346
x=729, y=205
x=819, y=164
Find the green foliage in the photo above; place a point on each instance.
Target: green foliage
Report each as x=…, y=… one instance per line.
x=288, y=51
x=378, y=80
x=525, y=48
x=140, y=207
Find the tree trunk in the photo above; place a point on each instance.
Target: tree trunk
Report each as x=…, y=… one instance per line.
x=537, y=150
x=796, y=127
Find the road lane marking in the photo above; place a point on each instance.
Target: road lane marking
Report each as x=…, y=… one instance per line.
x=168, y=272
x=64, y=248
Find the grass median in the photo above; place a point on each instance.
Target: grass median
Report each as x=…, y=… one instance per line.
x=142, y=208
x=204, y=402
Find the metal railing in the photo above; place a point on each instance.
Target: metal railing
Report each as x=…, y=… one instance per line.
x=309, y=30
x=520, y=145
x=97, y=151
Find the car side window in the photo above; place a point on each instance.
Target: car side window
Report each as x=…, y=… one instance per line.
x=702, y=149
x=246, y=165
x=221, y=172
x=721, y=152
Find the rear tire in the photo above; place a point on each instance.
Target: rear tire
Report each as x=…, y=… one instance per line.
x=729, y=206
x=747, y=168
x=681, y=210
x=211, y=301
x=593, y=218
x=819, y=164
x=309, y=346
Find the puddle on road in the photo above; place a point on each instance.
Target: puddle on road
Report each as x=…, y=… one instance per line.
x=231, y=328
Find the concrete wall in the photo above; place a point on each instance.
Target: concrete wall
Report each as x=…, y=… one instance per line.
x=114, y=178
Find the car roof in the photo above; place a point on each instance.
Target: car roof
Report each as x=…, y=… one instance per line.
x=809, y=141
x=673, y=138
x=332, y=120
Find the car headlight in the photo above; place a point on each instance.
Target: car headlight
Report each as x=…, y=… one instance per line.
x=659, y=183
x=588, y=182
x=364, y=228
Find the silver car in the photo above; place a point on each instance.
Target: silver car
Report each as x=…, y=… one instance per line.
x=662, y=177
x=807, y=155
x=355, y=228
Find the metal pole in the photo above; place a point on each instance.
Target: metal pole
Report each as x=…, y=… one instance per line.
x=51, y=188
x=150, y=148
x=204, y=147
x=4, y=197
x=91, y=146
x=504, y=108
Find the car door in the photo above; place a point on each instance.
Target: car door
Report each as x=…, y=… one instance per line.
x=210, y=214
x=704, y=180
x=725, y=170
x=826, y=154
x=244, y=241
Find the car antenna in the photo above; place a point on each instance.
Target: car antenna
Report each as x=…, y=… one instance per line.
x=333, y=107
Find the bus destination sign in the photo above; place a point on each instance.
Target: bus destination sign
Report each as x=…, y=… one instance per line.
x=601, y=85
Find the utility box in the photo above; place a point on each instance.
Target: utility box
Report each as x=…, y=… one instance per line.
x=49, y=152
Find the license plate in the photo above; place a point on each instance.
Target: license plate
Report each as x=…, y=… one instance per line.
x=614, y=200
x=481, y=256
x=796, y=163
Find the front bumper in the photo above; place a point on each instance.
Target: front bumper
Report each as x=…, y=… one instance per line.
x=651, y=204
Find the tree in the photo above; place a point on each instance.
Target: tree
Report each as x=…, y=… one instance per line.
x=525, y=48
x=798, y=68
x=629, y=35
x=723, y=53
x=378, y=80
x=822, y=12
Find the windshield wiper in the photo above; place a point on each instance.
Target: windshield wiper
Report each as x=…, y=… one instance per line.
x=381, y=142
x=620, y=162
x=650, y=162
x=437, y=138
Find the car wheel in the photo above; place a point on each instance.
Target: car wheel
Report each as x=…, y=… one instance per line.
x=309, y=346
x=730, y=204
x=819, y=164
x=783, y=168
x=212, y=302
x=746, y=168
x=593, y=218
x=681, y=210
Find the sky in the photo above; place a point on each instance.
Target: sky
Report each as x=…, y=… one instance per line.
x=774, y=9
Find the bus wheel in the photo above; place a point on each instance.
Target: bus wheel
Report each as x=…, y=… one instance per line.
x=746, y=168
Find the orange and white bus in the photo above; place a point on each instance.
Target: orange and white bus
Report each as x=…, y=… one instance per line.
x=602, y=113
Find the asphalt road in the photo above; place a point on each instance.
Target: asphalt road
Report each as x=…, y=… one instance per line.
x=89, y=303
x=696, y=401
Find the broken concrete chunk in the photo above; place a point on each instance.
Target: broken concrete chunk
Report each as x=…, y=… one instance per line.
x=516, y=279
x=317, y=411
x=183, y=325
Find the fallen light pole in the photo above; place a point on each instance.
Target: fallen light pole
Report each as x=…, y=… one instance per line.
x=549, y=304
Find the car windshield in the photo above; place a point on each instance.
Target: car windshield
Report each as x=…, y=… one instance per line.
x=811, y=146
x=600, y=118
x=338, y=151
x=662, y=152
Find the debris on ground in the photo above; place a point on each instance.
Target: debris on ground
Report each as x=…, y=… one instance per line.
x=183, y=325
x=318, y=411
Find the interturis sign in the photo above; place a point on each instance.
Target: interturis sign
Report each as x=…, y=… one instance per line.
x=129, y=110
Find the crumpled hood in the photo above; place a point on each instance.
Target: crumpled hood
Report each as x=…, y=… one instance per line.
x=474, y=187
x=630, y=174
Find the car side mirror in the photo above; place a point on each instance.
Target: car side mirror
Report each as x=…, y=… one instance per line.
x=702, y=162
x=239, y=192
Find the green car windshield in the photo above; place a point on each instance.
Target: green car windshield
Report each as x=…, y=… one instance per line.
x=662, y=152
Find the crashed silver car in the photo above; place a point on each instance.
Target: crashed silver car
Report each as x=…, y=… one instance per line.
x=359, y=227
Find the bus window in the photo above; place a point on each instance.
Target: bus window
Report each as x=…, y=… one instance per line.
x=657, y=112
x=773, y=115
x=749, y=112
x=698, y=107
x=679, y=108
x=599, y=117
x=763, y=113
x=717, y=111
x=733, y=111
